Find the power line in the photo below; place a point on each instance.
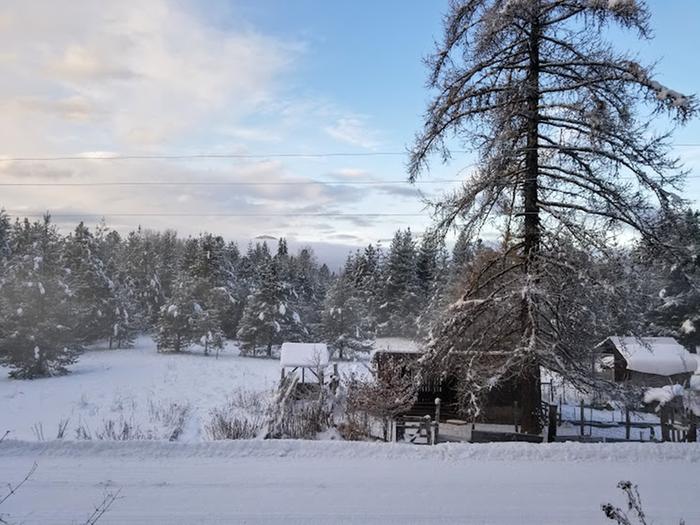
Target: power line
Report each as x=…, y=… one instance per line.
x=16, y=213
x=205, y=155
x=230, y=183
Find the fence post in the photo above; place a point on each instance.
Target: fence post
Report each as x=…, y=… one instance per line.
x=515, y=416
x=665, y=434
x=583, y=420
x=438, y=401
x=692, y=427
x=628, y=426
x=552, y=427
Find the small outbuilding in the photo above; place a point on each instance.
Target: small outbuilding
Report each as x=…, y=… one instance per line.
x=645, y=361
x=307, y=359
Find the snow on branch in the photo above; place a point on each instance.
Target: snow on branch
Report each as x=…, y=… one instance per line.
x=685, y=105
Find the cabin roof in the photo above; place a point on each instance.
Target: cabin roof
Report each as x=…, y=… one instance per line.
x=308, y=355
x=653, y=355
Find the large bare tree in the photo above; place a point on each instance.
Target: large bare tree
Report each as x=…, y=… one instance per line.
x=562, y=124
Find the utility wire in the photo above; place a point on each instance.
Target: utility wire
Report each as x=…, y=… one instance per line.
x=16, y=213
x=195, y=156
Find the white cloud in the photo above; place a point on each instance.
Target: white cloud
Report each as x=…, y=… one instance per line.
x=354, y=131
x=127, y=74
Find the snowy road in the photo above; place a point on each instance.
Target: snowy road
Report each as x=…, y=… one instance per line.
x=335, y=482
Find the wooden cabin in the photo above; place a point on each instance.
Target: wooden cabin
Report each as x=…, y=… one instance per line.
x=645, y=361
x=402, y=355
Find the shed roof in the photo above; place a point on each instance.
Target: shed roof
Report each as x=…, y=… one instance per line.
x=310, y=355
x=654, y=355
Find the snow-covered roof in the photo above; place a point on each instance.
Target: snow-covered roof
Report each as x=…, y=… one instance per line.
x=313, y=355
x=654, y=355
x=396, y=345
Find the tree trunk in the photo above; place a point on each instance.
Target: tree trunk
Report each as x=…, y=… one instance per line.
x=530, y=395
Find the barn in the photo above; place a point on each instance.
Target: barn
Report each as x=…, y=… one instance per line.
x=645, y=361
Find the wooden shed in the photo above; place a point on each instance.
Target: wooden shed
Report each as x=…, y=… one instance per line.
x=404, y=355
x=645, y=361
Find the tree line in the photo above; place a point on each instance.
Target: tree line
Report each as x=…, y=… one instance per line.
x=61, y=293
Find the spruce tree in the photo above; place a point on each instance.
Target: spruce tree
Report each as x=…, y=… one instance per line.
x=93, y=291
x=401, y=287
x=36, y=339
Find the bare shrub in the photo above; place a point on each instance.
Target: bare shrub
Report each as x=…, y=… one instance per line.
x=303, y=420
x=171, y=417
x=389, y=393
x=225, y=425
x=242, y=417
x=62, y=426
x=634, y=506
x=120, y=430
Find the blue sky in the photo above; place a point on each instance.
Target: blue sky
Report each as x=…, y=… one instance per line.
x=273, y=76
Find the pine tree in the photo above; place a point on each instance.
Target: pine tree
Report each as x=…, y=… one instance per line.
x=267, y=320
x=346, y=326
x=551, y=109
x=141, y=261
x=35, y=304
x=678, y=315
x=401, y=287
x=120, y=316
x=93, y=295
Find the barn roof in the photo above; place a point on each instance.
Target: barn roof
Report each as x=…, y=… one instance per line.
x=653, y=355
x=310, y=355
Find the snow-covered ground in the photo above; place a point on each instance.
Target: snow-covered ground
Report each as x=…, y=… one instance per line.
x=344, y=482
x=137, y=386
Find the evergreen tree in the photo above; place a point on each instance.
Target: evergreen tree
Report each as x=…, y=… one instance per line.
x=267, y=319
x=93, y=298
x=401, y=290
x=678, y=315
x=121, y=313
x=35, y=304
x=141, y=261
x=346, y=325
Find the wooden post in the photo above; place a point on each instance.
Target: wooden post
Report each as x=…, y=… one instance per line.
x=583, y=419
x=552, y=427
x=438, y=401
x=515, y=416
x=665, y=434
x=561, y=405
x=692, y=427
x=628, y=425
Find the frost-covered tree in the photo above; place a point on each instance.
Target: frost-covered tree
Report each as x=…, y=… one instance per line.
x=346, y=325
x=678, y=271
x=120, y=316
x=267, y=319
x=201, y=297
x=35, y=304
x=401, y=289
x=551, y=109
x=93, y=300
x=141, y=263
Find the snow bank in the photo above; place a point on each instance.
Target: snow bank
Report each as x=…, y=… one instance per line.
x=313, y=355
x=299, y=449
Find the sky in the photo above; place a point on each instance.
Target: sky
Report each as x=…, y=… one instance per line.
x=253, y=77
